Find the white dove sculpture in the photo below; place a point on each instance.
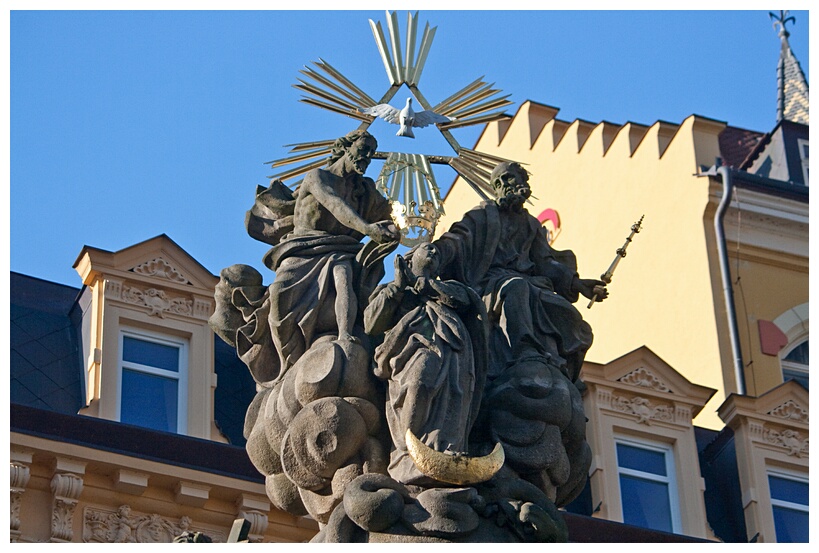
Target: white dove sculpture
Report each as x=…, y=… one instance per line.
x=406, y=118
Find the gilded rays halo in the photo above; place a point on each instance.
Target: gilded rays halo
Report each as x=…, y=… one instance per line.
x=407, y=180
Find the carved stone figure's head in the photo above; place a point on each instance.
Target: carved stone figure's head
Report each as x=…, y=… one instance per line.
x=424, y=260
x=356, y=148
x=510, y=182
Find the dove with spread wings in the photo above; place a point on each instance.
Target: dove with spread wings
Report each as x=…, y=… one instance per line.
x=406, y=118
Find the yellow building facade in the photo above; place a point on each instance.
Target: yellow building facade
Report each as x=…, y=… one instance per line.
x=600, y=179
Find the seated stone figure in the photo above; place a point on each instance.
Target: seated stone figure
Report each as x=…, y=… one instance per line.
x=433, y=357
x=537, y=340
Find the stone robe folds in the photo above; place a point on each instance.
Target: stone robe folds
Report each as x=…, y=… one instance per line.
x=299, y=307
x=525, y=284
x=434, y=358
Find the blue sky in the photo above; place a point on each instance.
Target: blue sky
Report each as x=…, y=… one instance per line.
x=128, y=124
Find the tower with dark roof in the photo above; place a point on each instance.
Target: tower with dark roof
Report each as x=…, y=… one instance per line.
x=792, y=87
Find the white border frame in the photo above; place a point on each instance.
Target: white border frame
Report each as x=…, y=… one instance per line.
x=785, y=474
x=181, y=377
x=670, y=479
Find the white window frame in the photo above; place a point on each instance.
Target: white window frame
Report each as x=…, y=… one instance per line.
x=181, y=377
x=802, y=143
x=791, y=365
x=785, y=475
x=670, y=479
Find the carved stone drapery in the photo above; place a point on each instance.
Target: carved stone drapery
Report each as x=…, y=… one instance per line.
x=643, y=409
x=644, y=378
x=20, y=475
x=125, y=526
x=790, y=410
x=157, y=301
x=160, y=268
x=66, y=488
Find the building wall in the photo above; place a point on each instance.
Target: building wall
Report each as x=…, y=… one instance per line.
x=105, y=482
x=601, y=178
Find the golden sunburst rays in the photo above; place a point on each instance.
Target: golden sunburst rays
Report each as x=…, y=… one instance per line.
x=406, y=68
x=410, y=176
x=302, y=152
x=475, y=168
x=408, y=181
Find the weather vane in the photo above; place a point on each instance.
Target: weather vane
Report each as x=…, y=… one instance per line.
x=781, y=20
x=406, y=179
x=621, y=253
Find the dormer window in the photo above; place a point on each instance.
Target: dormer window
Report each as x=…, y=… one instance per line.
x=153, y=381
x=803, y=156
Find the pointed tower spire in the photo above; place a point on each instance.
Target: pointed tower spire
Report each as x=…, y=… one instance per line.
x=792, y=87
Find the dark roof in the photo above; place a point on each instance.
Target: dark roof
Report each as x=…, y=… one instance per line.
x=723, y=493
x=235, y=389
x=45, y=356
x=735, y=144
x=585, y=529
x=134, y=441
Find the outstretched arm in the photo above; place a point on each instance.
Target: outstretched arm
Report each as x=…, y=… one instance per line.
x=318, y=184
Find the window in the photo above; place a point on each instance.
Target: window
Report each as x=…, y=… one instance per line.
x=153, y=381
x=803, y=155
x=648, y=490
x=789, y=500
x=795, y=364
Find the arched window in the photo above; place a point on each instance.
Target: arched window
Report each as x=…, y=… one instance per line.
x=795, y=363
x=795, y=327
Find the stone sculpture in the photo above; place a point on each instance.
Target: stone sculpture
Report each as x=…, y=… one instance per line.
x=386, y=411
x=537, y=337
x=433, y=355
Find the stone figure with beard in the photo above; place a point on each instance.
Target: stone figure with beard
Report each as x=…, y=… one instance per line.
x=335, y=208
x=537, y=339
x=314, y=423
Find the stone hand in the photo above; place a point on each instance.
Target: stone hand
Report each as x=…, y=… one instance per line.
x=590, y=288
x=383, y=231
x=403, y=276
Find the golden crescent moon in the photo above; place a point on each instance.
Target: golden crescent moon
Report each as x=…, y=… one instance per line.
x=454, y=469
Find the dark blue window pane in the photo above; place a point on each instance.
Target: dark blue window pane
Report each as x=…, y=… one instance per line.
x=150, y=353
x=645, y=503
x=785, y=489
x=791, y=526
x=149, y=400
x=641, y=459
x=800, y=354
x=800, y=376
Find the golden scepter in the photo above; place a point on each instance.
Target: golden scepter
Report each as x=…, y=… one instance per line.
x=621, y=253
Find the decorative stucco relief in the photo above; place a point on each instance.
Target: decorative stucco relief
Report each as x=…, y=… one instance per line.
x=644, y=378
x=160, y=268
x=157, y=301
x=124, y=526
x=643, y=409
x=791, y=440
x=66, y=488
x=20, y=475
x=790, y=410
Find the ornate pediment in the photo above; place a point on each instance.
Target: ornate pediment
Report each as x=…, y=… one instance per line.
x=790, y=410
x=644, y=378
x=125, y=526
x=160, y=268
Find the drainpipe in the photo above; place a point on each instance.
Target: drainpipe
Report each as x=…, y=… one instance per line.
x=727, y=289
